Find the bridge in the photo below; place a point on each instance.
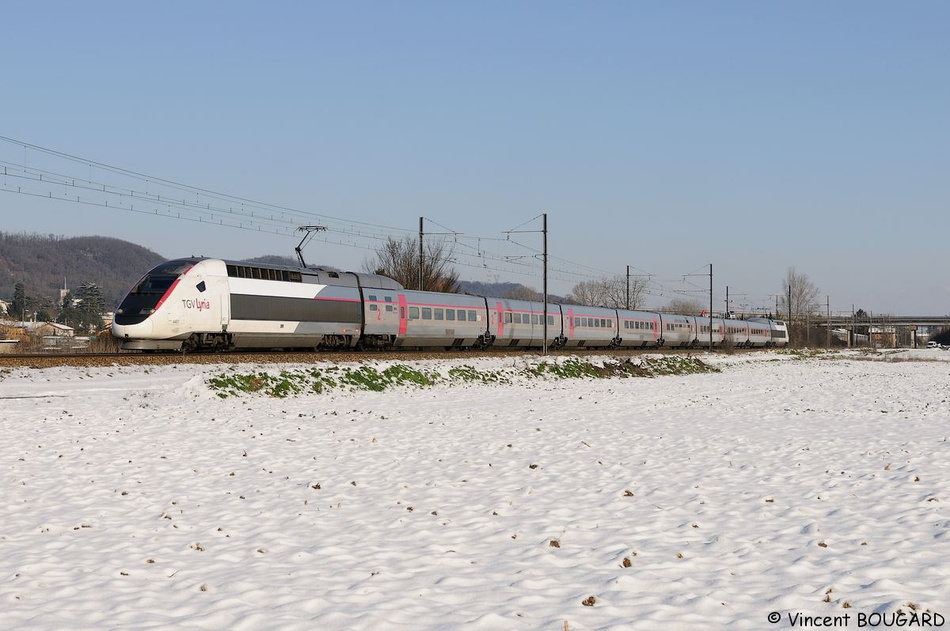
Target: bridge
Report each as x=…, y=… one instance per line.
x=880, y=331
x=838, y=321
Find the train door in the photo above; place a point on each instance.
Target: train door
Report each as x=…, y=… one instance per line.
x=403, y=315
x=500, y=313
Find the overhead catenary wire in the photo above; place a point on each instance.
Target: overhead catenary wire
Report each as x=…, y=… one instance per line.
x=161, y=197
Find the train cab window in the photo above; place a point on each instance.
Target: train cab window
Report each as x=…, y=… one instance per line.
x=471, y=316
x=450, y=314
x=413, y=313
x=201, y=286
x=426, y=313
x=439, y=314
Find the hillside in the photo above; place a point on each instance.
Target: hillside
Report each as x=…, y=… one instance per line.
x=42, y=262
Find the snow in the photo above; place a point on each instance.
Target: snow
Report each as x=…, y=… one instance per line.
x=135, y=497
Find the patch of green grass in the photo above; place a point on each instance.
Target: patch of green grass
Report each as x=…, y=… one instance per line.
x=288, y=383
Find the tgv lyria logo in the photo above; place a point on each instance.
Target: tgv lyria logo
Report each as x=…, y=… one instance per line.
x=200, y=305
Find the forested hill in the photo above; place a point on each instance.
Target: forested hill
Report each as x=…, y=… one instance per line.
x=41, y=262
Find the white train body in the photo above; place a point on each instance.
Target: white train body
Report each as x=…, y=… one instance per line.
x=212, y=304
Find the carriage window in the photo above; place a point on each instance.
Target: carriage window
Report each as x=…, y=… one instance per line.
x=534, y=318
x=471, y=316
x=450, y=314
x=550, y=319
x=427, y=313
x=517, y=318
x=461, y=315
x=389, y=305
x=373, y=306
x=508, y=317
x=438, y=314
x=413, y=313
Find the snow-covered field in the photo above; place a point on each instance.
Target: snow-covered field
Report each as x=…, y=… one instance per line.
x=137, y=498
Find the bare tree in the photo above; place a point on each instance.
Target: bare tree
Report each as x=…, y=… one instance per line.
x=683, y=306
x=802, y=293
x=799, y=302
x=609, y=292
x=588, y=292
x=399, y=260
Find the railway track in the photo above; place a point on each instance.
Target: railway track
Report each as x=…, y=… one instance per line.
x=48, y=360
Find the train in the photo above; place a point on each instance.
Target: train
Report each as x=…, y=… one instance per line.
x=210, y=304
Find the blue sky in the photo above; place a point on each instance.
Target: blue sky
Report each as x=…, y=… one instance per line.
x=756, y=136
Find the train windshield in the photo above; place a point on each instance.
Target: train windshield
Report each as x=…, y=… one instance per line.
x=161, y=278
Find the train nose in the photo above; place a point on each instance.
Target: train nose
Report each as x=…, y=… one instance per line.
x=142, y=330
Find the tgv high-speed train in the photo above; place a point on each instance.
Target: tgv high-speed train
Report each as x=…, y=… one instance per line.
x=212, y=304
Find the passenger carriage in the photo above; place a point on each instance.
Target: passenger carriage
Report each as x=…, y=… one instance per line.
x=638, y=329
x=520, y=323
x=590, y=327
x=439, y=320
x=678, y=331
